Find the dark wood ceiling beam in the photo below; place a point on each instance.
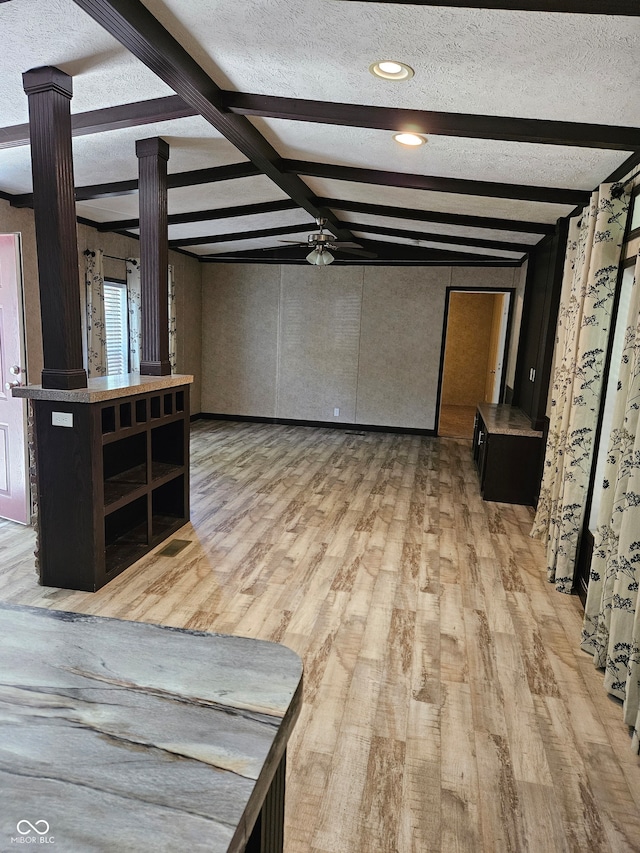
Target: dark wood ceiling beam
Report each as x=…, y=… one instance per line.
x=243, y=235
x=353, y=115
x=178, y=179
x=133, y=25
x=441, y=238
x=627, y=8
x=208, y=215
x=436, y=123
x=109, y=118
x=489, y=189
x=460, y=219
x=386, y=253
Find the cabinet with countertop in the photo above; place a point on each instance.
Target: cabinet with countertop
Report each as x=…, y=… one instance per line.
x=508, y=454
x=112, y=465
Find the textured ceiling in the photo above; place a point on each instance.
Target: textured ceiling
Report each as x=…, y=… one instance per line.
x=57, y=32
x=542, y=66
x=441, y=202
x=466, y=60
x=473, y=159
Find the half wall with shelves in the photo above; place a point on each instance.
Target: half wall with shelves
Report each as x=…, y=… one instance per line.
x=115, y=483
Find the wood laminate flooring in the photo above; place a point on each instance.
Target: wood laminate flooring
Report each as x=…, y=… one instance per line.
x=447, y=704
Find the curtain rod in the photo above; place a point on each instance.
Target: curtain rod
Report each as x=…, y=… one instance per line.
x=111, y=257
x=628, y=181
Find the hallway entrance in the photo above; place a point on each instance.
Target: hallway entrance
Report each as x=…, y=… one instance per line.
x=474, y=357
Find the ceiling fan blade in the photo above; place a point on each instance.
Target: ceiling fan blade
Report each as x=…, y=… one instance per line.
x=294, y=242
x=356, y=251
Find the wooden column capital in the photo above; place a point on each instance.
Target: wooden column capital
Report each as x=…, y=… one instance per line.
x=47, y=79
x=153, y=147
x=153, y=155
x=49, y=91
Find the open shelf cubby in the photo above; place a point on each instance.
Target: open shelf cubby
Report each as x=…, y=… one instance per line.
x=167, y=507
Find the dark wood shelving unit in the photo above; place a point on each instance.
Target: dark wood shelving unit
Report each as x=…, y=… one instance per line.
x=112, y=485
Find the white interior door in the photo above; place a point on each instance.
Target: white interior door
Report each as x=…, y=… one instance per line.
x=497, y=347
x=14, y=485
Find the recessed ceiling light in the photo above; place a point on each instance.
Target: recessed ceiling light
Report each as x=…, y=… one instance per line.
x=389, y=69
x=409, y=138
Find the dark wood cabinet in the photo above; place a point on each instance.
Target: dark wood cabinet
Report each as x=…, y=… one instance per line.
x=508, y=455
x=113, y=480
x=538, y=327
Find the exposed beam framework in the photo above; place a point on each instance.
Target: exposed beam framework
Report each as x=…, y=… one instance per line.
x=437, y=123
x=131, y=23
x=178, y=179
x=207, y=215
x=387, y=254
x=461, y=219
x=352, y=115
x=551, y=195
x=575, y=7
x=109, y=118
x=243, y=235
x=442, y=238
x=374, y=229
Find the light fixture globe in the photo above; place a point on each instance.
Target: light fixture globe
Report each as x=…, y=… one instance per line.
x=320, y=257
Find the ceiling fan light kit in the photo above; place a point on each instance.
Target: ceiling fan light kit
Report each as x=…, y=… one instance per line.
x=320, y=242
x=320, y=257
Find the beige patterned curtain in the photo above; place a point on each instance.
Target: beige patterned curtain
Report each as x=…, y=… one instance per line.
x=611, y=629
x=134, y=301
x=172, y=321
x=590, y=275
x=96, y=327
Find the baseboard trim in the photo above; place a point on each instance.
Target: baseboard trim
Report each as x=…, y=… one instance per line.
x=212, y=416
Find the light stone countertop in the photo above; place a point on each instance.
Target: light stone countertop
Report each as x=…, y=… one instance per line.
x=105, y=388
x=130, y=736
x=506, y=420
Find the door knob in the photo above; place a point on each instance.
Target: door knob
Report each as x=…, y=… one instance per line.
x=10, y=385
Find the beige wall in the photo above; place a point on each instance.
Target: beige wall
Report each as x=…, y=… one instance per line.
x=298, y=342
x=188, y=290
x=400, y=348
x=319, y=340
x=240, y=339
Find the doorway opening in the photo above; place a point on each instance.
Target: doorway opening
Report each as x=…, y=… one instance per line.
x=474, y=355
x=14, y=482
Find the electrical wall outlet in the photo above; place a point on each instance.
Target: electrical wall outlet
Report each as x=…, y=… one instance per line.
x=63, y=419
x=336, y=412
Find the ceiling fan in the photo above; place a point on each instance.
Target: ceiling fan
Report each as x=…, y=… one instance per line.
x=320, y=242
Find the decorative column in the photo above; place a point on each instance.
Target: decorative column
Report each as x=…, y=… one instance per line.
x=153, y=155
x=49, y=91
